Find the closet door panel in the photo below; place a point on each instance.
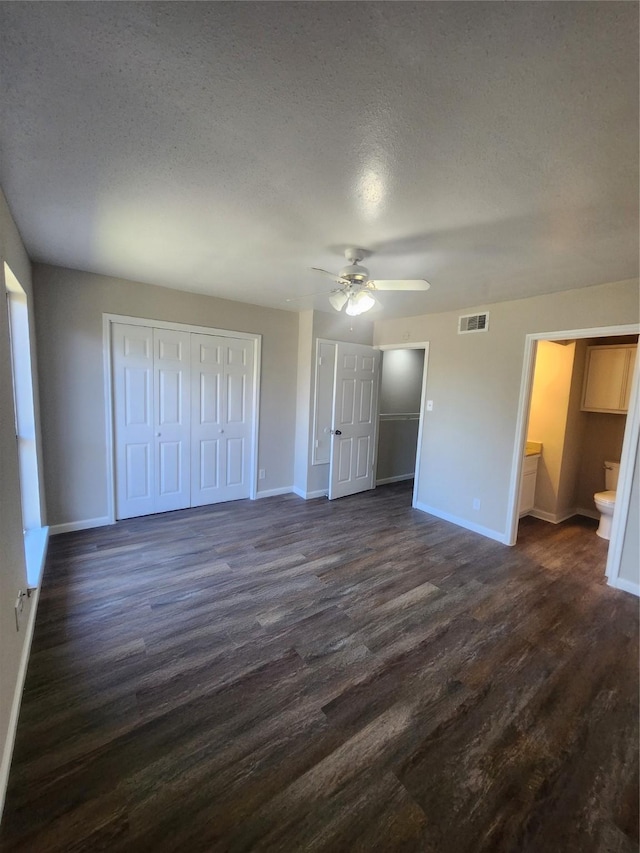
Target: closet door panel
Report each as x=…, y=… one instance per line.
x=238, y=417
x=207, y=428
x=183, y=415
x=134, y=439
x=172, y=416
x=221, y=423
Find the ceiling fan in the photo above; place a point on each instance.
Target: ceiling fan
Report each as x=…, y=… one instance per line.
x=356, y=293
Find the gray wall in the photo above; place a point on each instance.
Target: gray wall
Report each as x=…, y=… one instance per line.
x=474, y=381
x=12, y=565
x=548, y=417
x=69, y=308
x=601, y=441
x=401, y=380
x=573, y=438
x=400, y=392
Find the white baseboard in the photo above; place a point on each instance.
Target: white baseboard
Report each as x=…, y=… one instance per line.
x=588, y=513
x=308, y=496
x=627, y=586
x=85, y=524
x=7, y=752
x=397, y=479
x=552, y=517
x=556, y=518
x=462, y=522
x=272, y=493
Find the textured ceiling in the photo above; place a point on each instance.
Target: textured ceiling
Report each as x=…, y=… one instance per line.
x=225, y=148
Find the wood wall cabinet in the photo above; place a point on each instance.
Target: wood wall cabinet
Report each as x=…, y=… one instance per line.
x=607, y=378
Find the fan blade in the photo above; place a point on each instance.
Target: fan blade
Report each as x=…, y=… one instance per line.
x=331, y=275
x=400, y=284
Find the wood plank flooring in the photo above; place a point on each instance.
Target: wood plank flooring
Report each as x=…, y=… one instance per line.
x=283, y=675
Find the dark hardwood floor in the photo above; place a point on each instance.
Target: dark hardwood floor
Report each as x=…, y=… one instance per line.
x=312, y=676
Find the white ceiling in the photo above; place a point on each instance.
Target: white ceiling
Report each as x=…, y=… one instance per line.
x=226, y=148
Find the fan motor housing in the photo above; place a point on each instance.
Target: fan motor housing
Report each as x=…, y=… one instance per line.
x=354, y=272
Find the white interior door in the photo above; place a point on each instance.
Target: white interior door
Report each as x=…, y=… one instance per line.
x=221, y=418
x=354, y=420
x=151, y=417
x=172, y=419
x=134, y=428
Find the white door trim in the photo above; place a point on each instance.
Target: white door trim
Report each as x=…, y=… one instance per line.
x=423, y=402
x=623, y=490
x=631, y=433
x=107, y=321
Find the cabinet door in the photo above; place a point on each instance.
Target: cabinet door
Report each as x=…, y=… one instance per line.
x=606, y=372
x=527, y=492
x=626, y=392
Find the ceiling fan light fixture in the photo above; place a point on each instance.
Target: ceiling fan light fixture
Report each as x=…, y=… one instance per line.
x=356, y=292
x=359, y=303
x=338, y=300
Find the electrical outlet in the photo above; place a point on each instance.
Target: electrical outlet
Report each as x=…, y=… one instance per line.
x=476, y=503
x=19, y=607
x=261, y=474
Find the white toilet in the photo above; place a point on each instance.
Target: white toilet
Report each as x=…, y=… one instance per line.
x=606, y=501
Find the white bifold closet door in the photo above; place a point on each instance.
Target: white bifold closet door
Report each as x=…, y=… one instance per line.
x=221, y=418
x=152, y=419
x=183, y=418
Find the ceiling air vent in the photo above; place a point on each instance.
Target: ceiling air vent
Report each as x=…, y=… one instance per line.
x=473, y=323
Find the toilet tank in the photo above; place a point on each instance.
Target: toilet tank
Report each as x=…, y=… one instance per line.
x=611, y=471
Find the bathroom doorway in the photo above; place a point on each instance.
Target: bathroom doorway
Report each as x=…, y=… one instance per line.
x=403, y=377
x=564, y=438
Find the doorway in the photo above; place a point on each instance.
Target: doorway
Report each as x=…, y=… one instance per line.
x=403, y=380
x=557, y=405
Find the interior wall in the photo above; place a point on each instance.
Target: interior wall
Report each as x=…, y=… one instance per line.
x=548, y=415
x=400, y=393
x=13, y=576
x=303, y=395
x=69, y=309
x=572, y=456
x=602, y=440
x=401, y=380
x=474, y=381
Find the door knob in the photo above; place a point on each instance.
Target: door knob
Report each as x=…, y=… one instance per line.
x=220, y=431
x=337, y=432
x=158, y=434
